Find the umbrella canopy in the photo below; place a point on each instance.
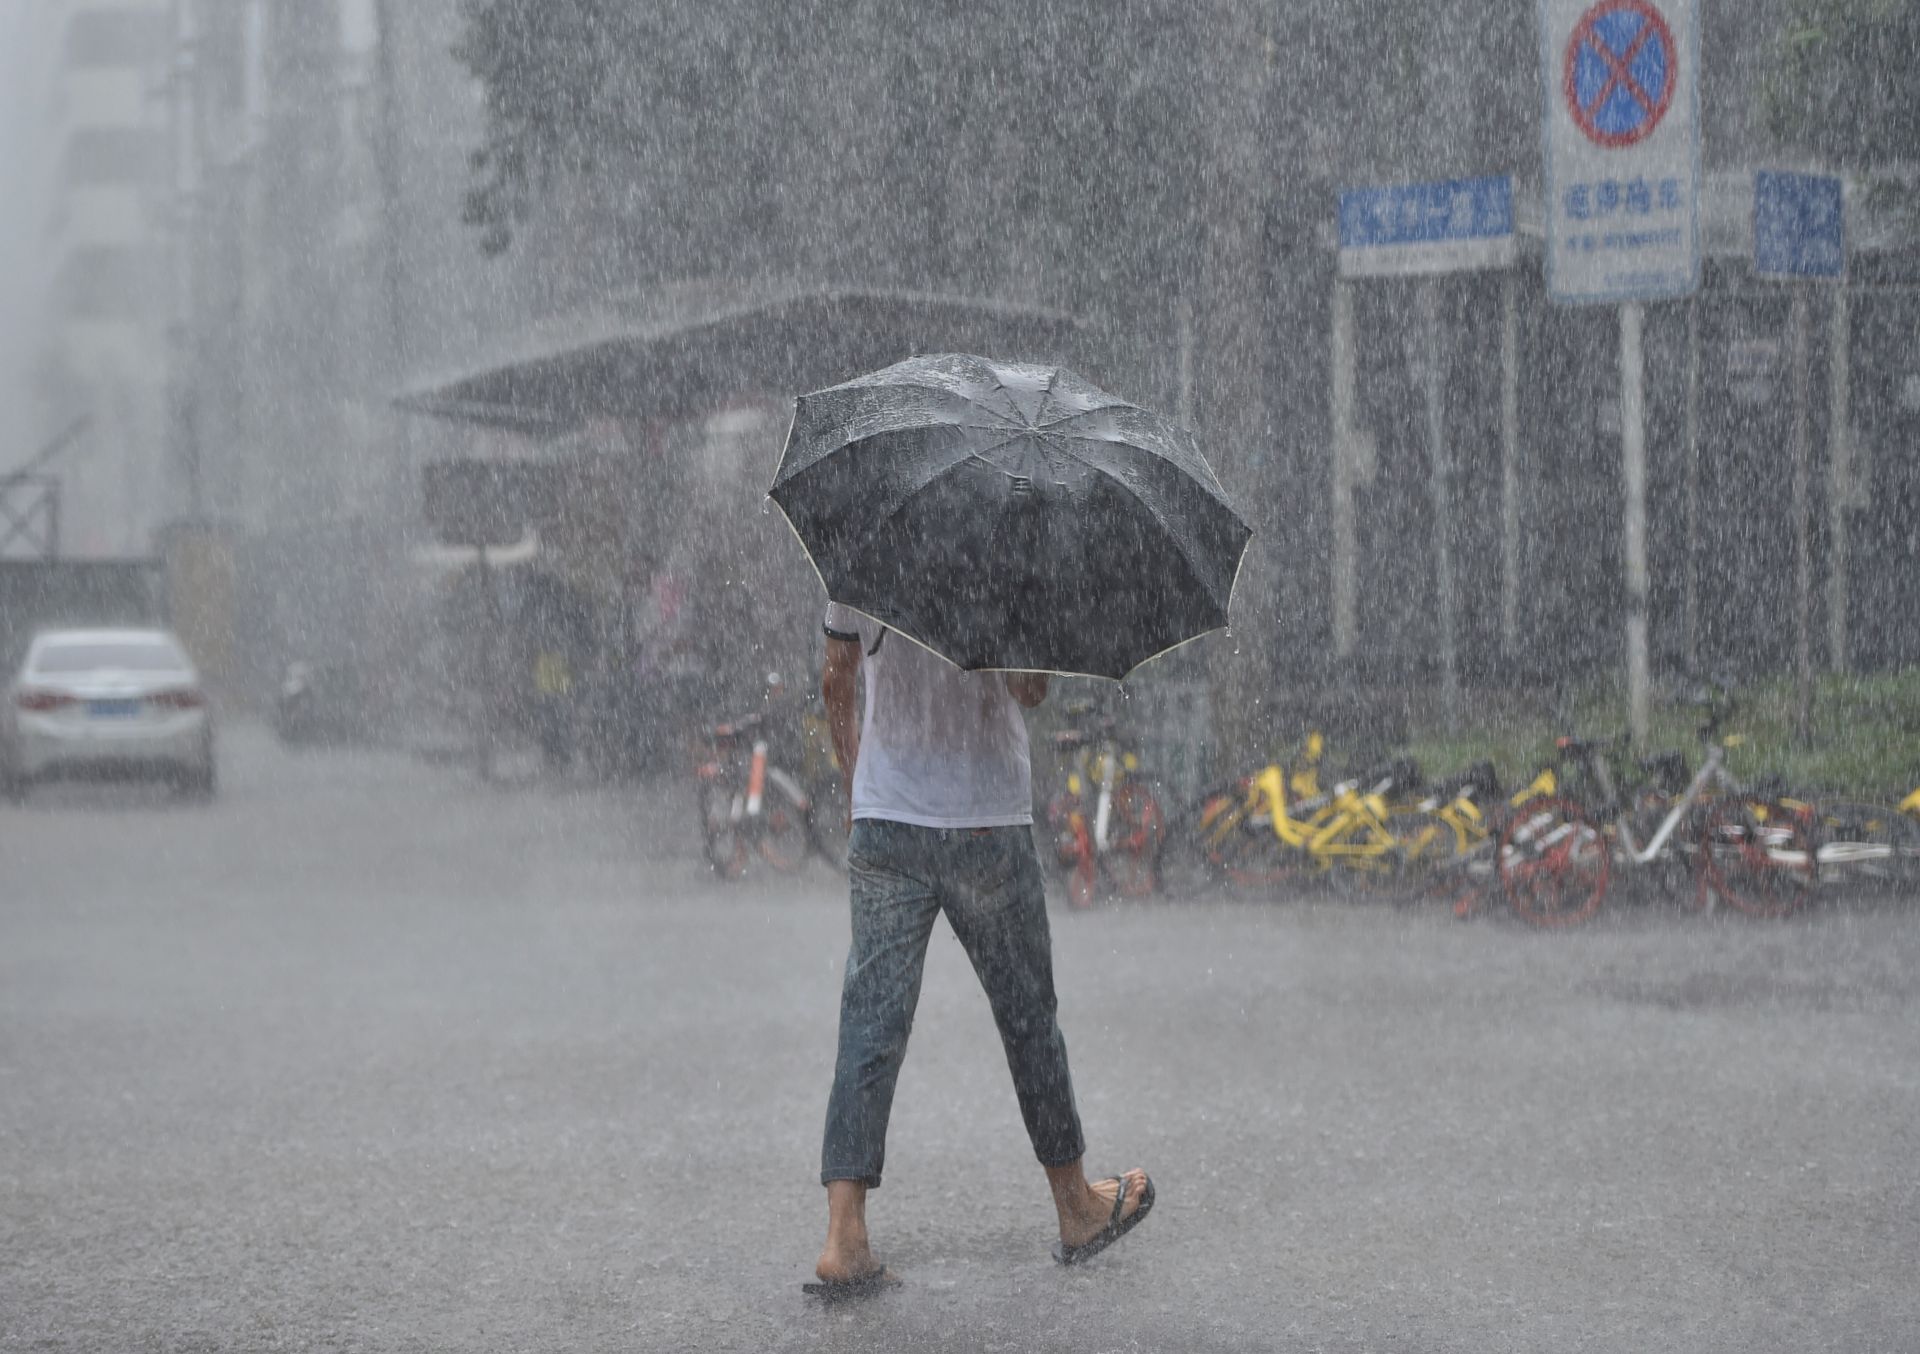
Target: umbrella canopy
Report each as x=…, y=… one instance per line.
x=1010, y=516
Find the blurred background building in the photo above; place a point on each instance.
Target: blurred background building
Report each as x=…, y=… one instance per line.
x=242, y=226
x=95, y=121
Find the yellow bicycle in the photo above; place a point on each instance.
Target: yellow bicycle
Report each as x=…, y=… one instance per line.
x=1448, y=840
x=1276, y=826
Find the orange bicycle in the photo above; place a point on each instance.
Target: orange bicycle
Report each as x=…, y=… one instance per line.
x=1107, y=820
x=748, y=805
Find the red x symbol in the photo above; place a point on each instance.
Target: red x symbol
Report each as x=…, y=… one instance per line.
x=1587, y=38
x=1618, y=72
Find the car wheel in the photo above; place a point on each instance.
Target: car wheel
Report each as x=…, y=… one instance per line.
x=200, y=784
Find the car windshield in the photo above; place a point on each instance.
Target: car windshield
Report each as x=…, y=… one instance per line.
x=124, y=655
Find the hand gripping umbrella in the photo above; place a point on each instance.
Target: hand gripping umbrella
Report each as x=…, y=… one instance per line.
x=1010, y=516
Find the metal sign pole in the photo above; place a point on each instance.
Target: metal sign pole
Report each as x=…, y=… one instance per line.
x=1510, y=464
x=1633, y=475
x=1621, y=125
x=1346, y=554
x=1799, y=236
x=491, y=702
x=1440, y=480
x=1802, y=522
x=1690, y=436
x=1839, y=478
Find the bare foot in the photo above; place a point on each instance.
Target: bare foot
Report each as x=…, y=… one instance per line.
x=846, y=1259
x=1084, y=1219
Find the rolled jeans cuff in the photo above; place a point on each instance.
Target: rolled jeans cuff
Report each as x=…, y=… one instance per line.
x=832, y=1174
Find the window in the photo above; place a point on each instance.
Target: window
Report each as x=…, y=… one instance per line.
x=116, y=37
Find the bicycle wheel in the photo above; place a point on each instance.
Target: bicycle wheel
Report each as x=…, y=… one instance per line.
x=1192, y=861
x=782, y=836
x=1466, y=886
x=1062, y=849
x=1867, y=848
x=1188, y=864
x=1757, y=857
x=1235, y=839
x=1082, y=870
x=1554, y=864
x=1072, y=852
x=1137, y=833
x=721, y=841
x=1423, y=839
x=1363, y=865
x=1427, y=847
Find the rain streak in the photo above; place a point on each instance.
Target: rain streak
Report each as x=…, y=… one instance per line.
x=1267, y=653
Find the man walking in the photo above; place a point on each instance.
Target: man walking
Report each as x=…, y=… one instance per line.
x=943, y=808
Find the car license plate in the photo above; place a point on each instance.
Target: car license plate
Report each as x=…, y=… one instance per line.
x=113, y=709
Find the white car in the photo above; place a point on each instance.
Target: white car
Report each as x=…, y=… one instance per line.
x=106, y=703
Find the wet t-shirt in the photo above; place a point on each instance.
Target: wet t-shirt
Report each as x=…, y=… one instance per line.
x=938, y=747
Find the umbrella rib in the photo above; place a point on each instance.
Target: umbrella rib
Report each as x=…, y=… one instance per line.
x=1066, y=449
x=1158, y=516
x=928, y=388
x=907, y=498
x=1212, y=482
x=1173, y=537
x=999, y=388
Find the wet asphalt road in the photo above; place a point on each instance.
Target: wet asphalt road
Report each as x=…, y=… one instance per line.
x=368, y=1057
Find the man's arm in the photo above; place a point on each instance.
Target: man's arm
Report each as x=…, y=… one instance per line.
x=1029, y=688
x=839, y=685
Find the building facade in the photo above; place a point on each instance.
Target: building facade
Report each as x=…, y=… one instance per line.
x=101, y=179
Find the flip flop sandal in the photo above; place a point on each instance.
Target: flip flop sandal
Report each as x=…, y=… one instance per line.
x=842, y=1290
x=1116, y=1227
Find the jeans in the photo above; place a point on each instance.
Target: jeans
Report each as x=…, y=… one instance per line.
x=987, y=881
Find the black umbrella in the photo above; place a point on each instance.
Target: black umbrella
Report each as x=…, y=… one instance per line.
x=1010, y=516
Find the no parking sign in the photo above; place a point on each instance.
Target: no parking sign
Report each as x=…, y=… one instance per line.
x=1622, y=148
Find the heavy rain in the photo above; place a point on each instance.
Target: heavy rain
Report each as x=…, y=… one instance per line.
x=1320, y=599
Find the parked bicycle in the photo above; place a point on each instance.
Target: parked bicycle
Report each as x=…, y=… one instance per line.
x=1106, y=822
x=825, y=784
x=1870, y=848
x=1749, y=848
x=750, y=804
x=1277, y=826
x=1449, y=840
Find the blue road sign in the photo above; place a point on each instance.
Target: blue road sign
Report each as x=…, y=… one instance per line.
x=1427, y=227
x=1799, y=225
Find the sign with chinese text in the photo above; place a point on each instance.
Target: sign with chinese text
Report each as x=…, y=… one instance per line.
x=1415, y=228
x=1622, y=148
x=1799, y=225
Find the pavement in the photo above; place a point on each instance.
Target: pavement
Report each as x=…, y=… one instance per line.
x=369, y=1056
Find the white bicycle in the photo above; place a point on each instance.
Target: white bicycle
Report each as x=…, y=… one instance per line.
x=1752, y=851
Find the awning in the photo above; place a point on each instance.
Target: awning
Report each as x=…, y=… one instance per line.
x=677, y=350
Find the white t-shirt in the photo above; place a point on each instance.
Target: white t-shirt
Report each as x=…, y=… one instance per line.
x=938, y=747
